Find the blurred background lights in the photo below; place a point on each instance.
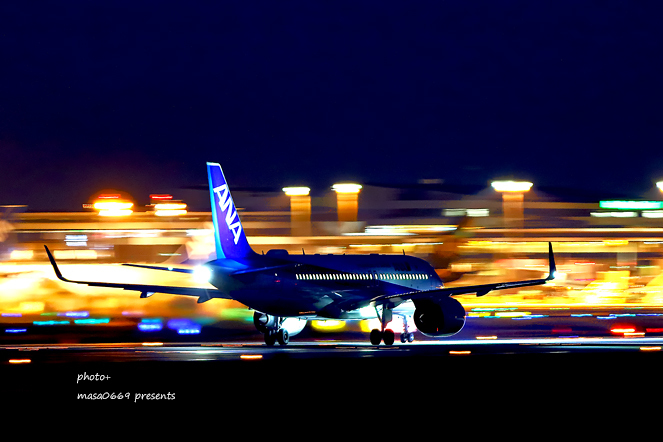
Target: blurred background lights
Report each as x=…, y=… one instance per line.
x=346, y=188
x=296, y=191
x=511, y=186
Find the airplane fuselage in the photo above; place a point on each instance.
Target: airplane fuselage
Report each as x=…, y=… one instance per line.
x=330, y=286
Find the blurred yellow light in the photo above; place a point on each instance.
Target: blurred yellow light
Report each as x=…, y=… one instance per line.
x=170, y=206
x=459, y=352
x=296, y=191
x=615, y=242
x=250, y=357
x=75, y=254
x=170, y=212
x=660, y=185
x=328, y=325
x=650, y=348
x=479, y=243
x=21, y=254
x=511, y=186
x=19, y=361
x=346, y=188
x=113, y=205
x=31, y=307
x=511, y=314
x=486, y=337
x=152, y=344
x=115, y=212
x=623, y=330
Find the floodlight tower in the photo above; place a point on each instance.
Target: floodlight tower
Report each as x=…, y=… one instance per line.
x=513, y=201
x=300, y=210
x=347, y=200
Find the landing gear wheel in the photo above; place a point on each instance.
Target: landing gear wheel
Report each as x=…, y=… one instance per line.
x=283, y=337
x=376, y=336
x=407, y=337
x=388, y=337
x=270, y=338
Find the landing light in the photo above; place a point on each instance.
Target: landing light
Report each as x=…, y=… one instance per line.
x=202, y=274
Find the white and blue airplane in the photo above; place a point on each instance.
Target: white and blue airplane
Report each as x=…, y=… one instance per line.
x=286, y=290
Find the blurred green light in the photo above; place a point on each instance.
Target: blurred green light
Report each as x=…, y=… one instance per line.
x=631, y=205
x=50, y=322
x=92, y=321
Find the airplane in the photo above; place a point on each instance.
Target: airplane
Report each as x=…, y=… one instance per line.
x=286, y=290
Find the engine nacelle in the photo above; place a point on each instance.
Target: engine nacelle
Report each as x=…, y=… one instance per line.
x=441, y=317
x=264, y=322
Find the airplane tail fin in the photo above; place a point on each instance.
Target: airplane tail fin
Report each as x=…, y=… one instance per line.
x=229, y=237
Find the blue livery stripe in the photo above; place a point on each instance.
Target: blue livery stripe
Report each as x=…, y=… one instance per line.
x=229, y=238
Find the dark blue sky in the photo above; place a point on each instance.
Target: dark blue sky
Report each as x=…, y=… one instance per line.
x=138, y=95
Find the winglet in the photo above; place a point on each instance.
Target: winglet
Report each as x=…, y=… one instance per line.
x=55, y=266
x=551, y=263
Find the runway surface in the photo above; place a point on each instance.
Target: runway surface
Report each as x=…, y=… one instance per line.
x=554, y=359
x=239, y=374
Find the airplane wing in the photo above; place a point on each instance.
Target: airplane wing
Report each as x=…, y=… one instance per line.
x=146, y=290
x=480, y=289
x=170, y=269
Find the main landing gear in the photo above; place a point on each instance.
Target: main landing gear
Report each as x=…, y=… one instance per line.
x=281, y=335
x=386, y=334
x=272, y=328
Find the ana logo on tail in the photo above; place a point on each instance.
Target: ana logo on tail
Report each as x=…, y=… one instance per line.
x=225, y=201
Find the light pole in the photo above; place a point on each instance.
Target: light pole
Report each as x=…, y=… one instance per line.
x=300, y=210
x=347, y=200
x=513, y=201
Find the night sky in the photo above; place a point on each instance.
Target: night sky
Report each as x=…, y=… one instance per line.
x=136, y=95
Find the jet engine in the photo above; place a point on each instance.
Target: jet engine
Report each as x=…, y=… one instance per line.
x=440, y=317
x=264, y=322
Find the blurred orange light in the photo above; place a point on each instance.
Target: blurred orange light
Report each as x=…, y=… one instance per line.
x=122, y=212
x=622, y=330
x=170, y=206
x=250, y=357
x=346, y=188
x=170, y=212
x=19, y=361
x=113, y=205
x=511, y=186
x=296, y=191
